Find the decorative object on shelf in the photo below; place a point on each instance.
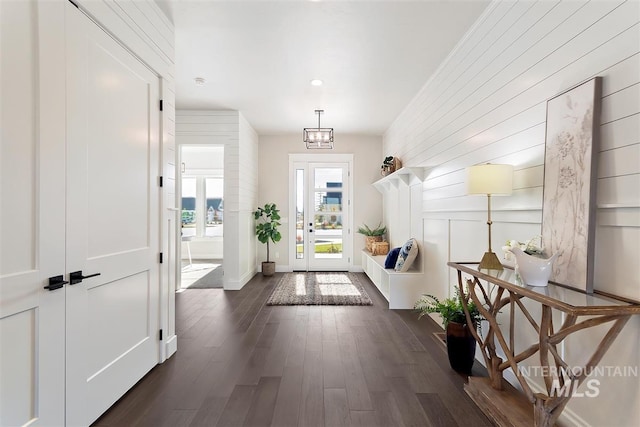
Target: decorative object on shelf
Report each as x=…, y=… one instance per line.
x=379, y=248
x=532, y=246
x=568, y=207
x=408, y=254
x=533, y=271
x=267, y=223
x=390, y=164
x=461, y=344
x=491, y=180
x=372, y=235
x=318, y=137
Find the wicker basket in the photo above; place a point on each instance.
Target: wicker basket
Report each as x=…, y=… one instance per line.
x=380, y=248
x=397, y=164
x=370, y=240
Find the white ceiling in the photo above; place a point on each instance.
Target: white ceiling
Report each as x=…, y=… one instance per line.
x=259, y=57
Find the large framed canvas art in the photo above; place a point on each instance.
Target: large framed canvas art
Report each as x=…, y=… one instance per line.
x=570, y=161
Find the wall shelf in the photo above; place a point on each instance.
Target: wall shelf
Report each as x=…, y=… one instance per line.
x=404, y=176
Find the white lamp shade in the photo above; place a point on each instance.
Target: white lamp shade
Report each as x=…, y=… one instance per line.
x=490, y=179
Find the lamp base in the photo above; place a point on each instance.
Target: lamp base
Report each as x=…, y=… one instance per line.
x=490, y=262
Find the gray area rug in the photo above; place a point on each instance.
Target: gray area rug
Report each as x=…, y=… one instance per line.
x=212, y=279
x=319, y=289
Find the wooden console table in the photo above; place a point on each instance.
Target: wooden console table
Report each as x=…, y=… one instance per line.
x=492, y=291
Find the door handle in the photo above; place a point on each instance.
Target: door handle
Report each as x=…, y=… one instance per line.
x=56, y=282
x=310, y=230
x=77, y=277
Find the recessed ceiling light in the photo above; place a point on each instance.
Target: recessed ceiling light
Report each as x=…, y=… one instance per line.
x=200, y=81
x=316, y=82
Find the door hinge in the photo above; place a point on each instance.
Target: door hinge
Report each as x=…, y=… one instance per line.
x=161, y=105
x=160, y=181
x=160, y=335
x=73, y=3
x=160, y=257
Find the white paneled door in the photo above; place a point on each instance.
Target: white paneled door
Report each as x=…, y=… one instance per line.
x=112, y=220
x=322, y=226
x=32, y=218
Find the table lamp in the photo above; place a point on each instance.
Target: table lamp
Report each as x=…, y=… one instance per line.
x=491, y=180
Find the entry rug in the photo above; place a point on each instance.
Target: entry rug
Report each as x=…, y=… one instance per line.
x=319, y=289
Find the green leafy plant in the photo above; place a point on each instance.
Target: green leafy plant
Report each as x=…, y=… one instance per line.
x=378, y=231
x=450, y=309
x=267, y=219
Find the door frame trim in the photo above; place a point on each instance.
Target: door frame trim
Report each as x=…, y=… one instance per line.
x=319, y=158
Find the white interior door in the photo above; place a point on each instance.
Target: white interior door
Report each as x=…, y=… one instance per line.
x=322, y=206
x=32, y=217
x=112, y=220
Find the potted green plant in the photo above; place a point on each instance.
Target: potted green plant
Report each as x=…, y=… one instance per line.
x=461, y=345
x=390, y=164
x=372, y=235
x=267, y=223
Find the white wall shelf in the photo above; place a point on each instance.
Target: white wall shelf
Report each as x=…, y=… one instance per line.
x=404, y=176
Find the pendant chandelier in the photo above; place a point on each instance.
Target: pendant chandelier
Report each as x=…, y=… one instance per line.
x=318, y=137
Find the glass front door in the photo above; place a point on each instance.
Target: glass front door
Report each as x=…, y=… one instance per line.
x=322, y=240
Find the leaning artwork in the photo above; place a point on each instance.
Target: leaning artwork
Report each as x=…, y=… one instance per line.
x=568, y=210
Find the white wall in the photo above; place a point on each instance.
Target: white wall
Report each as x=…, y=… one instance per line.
x=230, y=128
x=487, y=103
x=248, y=199
x=274, y=184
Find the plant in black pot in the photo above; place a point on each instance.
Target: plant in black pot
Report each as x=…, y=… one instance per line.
x=267, y=223
x=461, y=345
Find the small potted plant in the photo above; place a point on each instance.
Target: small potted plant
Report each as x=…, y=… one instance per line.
x=372, y=235
x=267, y=223
x=461, y=345
x=389, y=165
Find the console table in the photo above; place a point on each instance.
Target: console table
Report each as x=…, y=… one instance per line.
x=494, y=291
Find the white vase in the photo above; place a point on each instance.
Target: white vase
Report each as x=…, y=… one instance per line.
x=534, y=271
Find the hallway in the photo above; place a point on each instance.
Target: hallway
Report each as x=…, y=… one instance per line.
x=240, y=362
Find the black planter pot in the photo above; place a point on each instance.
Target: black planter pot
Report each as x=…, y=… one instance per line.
x=461, y=347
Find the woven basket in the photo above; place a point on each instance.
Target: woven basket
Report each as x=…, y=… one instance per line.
x=380, y=248
x=370, y=240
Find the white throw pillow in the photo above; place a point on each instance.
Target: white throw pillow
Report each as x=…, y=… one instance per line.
x=407, y=255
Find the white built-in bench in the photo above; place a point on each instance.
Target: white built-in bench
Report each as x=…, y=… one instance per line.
x=402, y=290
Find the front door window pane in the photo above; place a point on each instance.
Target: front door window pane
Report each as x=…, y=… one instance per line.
x=300, y=214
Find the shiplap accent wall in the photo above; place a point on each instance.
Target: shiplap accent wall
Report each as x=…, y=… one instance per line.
x=231, y=129
x=487, y=103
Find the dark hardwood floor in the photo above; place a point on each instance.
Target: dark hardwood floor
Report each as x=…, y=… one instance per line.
x=242, y=363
